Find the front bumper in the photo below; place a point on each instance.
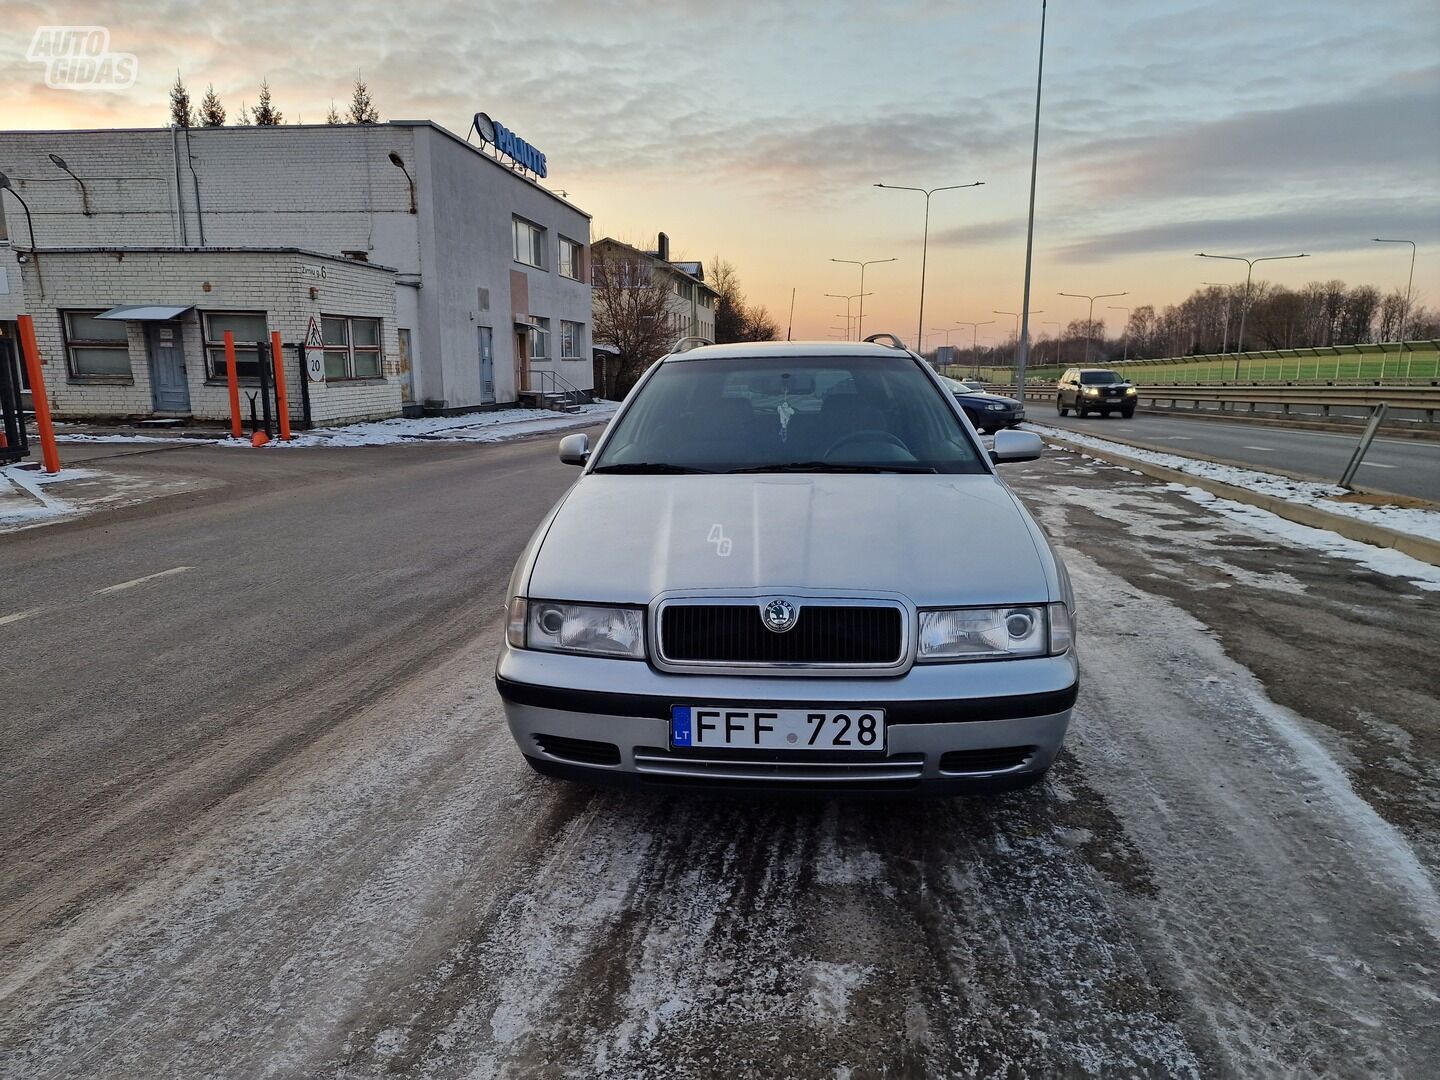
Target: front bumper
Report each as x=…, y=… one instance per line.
x=951, y=728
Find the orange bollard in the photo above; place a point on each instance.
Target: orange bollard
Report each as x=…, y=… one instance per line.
x=236, y=431
x=282, y=402
x=48, y=454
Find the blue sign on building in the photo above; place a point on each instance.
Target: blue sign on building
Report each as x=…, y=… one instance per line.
x=510, y=144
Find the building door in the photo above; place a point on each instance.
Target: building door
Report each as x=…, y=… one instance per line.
x=169, y=390
x=487, y=364
x=522, y=365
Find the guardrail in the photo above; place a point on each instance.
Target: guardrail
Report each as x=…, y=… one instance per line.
x=1280, y=401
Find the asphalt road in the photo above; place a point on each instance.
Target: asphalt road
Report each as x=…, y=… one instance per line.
x=262, y=818
x=1401, y=466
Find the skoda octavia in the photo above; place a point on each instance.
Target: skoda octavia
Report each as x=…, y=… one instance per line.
x=791, y=565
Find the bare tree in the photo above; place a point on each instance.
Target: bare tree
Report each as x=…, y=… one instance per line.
x=632, y=315
x=181, y=114
x=212, y=113
x=735, y=320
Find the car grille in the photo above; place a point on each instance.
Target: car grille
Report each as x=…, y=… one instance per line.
x=669, y=766
x=858, y=635
x=989, y=760
x=582, y=751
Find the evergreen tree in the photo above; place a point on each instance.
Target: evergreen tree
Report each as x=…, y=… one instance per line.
x=212, y=113
x=362, y=110
x=243, y=118
x=333, y=117
x=180, y=112
x=266, y=115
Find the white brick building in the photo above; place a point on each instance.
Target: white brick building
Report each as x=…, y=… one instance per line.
x=442, y=278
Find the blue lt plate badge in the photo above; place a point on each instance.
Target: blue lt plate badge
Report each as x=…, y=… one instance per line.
x=680, y=725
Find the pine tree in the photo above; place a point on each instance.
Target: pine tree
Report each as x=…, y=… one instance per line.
x=266, y=115
x=243, y=118
x=212, y=113
x=333, y=117
x=180, y=112
x=362, y=110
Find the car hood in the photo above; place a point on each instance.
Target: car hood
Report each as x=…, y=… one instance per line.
x=936, y=539
x=981, y=397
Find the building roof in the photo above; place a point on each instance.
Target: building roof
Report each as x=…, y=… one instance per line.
x=675, y=267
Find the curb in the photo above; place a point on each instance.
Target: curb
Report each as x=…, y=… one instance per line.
x=1417, y=547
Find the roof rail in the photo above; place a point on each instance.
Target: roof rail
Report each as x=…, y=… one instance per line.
x=887, y=339
x=685, y=344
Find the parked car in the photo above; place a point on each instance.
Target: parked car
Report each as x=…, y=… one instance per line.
x=1088, y=390
x=988, y=412
x=756, y=581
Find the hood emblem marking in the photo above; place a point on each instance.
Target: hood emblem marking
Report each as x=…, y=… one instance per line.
x=779, y=614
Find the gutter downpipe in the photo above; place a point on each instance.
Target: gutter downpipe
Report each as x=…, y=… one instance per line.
x=179, y=201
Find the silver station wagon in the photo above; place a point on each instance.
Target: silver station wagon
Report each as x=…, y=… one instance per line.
x=791, y=565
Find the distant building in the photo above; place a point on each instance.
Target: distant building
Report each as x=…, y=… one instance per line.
x=692, y=312
x=430, y=274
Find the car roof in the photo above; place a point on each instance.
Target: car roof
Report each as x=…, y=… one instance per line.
x=780, y=350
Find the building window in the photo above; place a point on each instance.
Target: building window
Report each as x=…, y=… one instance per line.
x=352, y=347
x=249, y=330
x=529, y=243
x=572, y=340
x=96, y=346
x=572, y=257
x=539, y=338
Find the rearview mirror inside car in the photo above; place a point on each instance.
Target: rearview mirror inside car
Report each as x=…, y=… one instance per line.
x=575, y=449
x=1015, y=446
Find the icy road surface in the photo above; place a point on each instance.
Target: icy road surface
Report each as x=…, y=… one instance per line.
x=1231, y=873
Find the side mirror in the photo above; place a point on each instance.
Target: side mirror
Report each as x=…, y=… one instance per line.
x=1016, y=446
x=575, y=449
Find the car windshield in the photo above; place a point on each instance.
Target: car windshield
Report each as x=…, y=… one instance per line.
x=791, y=414
x=1099, y=378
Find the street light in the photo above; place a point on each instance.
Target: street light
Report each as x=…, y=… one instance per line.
x=925, y=237
x=59, y=163
x=1090, y=319
x=399, y=163
x=1245, y=303
x=1017, y=327
x=847, y=299
x=1404, y=311
x=30, y=225
x=1126, y=338
x=860, y=323
x=1022, y=350
x=975, y=330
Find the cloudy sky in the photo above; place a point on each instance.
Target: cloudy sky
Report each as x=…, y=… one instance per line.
x=756, y=130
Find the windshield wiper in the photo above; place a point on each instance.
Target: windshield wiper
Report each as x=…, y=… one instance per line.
x=832, y=467
x=648, y=467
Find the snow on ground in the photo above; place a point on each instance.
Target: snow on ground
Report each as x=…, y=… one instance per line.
x=24, y=500
x=82, y=437
x=1424, y=523
x=493, y=426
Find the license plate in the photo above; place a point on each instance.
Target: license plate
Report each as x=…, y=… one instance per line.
x=777, y=729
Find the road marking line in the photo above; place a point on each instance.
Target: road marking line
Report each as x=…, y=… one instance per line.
x=6, y=620
x=1378, y=465
x=1267, y=449
x=141, y=580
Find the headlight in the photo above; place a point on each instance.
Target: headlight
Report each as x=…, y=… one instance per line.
x=995, y=406
x=576, y=628
x=1130, y=390
x=999, y=633
x=1091, y=391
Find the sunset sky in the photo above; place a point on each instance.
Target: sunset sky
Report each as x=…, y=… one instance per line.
x=756, y=130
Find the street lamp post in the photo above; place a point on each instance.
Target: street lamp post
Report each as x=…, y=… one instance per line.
x=1245, y=302
x=1090, y=319
x=1404, y=311
x=5, y=185
x=860, y=323
x=974, y=340
x=1126, y=338
x=59, y=163
x=847, y=299
x=1017, y=328
x=1022, y=351
x=925, y=236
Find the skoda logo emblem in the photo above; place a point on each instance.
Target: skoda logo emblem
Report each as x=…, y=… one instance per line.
x=779, y=614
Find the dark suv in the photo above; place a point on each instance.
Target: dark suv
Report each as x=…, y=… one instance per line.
x=1088, y=390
